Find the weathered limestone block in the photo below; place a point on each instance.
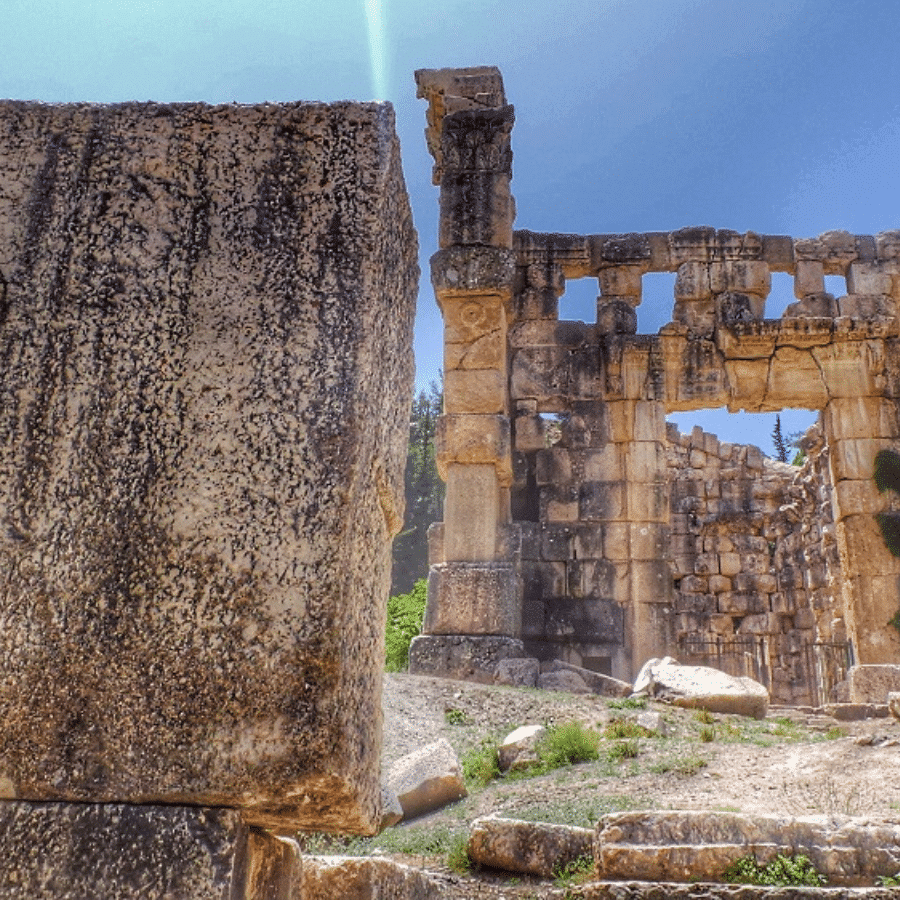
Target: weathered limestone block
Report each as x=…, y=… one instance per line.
x=873, y=683
x=521, y=672
x=365, y=878
x=475, y=440
x=517, y=751
x=472, y=598
x=427, y=779
x=809, y=279
x=461, y=271
x=603, y=685
x=108, y=851
x=206, y=376
x=471, y=513
x=699, y=846
x=460, y=656
x=535, y=848
x=477, y=391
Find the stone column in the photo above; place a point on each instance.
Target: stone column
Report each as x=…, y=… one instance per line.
x=473, y=617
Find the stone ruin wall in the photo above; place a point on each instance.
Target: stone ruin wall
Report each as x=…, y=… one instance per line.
x=585, y=546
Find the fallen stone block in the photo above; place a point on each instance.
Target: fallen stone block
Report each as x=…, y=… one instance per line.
x=391, y=810
x=600, y=684
x=855, y=712
x=427, y=779
x=644, y=890
x=365, y=878
x=518, y=747
x=702, y=687
x=570, y=682
x=533, y=848
x=518, y=672
x=894, y=704
x=872, y=683
x=698, y=846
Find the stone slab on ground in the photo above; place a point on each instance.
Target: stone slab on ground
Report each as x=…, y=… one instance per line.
x=873, y=683
x=533, y=848
x=702, y=687
x=603, y=685
x=111, y=851
x=855, y=712
x=207, y=370
x=366, y=878
x=427, y=779
x=684, y=846
x=643, y=890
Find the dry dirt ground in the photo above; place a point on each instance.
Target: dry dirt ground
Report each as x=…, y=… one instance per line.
x=793, y=762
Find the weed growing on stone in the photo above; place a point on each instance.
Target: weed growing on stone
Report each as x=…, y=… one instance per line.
x=888, y=880
x=576, y=871
x=786, y=871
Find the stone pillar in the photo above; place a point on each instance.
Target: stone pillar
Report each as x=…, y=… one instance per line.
x=857, y=427
x=473, y=617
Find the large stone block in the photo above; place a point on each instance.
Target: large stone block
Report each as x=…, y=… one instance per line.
x=473, y=598
x=204, y=403
x=872, y=683
x=106, y=851
x=462, y=656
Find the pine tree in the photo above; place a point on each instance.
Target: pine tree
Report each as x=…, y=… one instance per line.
x=781, y=445
x=424, y=493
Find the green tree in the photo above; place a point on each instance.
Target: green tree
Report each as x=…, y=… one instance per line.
x=404, y=621
x=778, y=439
x=424, y=493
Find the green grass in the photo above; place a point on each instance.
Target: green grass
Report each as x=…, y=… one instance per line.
x=622, y=750
x=704, y=716
x=567, y=744
x=782, y=870
x=707, y=734
x=625, y=728
x=582, y=812
x=576, y=871
x=480, y=764
x=628, y=703
x=455, y=717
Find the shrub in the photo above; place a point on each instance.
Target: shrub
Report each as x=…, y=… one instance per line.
x=458, y=859
x=455, y=717
x=566, y=744
x=624, y=728
x=622, y=750
x=707, y=734
x=795, y=871
x=480, y=765
x=404, y=622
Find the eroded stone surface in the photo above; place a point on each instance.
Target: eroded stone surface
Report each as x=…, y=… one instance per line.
x=427, y=779
x=51, y=850
x=205, y=341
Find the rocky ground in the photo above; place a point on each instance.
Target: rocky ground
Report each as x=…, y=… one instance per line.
x=793, y=762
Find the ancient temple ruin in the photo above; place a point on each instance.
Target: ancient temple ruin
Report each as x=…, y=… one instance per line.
x=578, y=525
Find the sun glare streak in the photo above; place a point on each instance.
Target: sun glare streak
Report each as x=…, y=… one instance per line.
x=375, y=21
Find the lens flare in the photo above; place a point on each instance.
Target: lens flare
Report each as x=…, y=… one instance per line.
x=375, y=21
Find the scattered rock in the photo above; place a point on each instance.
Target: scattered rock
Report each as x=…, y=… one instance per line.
x=518, y=748
x=534, y=848
x=327, y=877
x=652, y=722
x=703, y=687
x=518, y=672
x=427, y=779
x=873, y=683
x=603, y=685
x=563, y=681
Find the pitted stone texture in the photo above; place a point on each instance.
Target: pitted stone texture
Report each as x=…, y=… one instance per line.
x=460, y=656
x=206, y=354
x=472, y=598
x=604, y=685
x=366, y=878
x=699, y=846
x=518, y=672
x=518, y=748
x=872, y=684
x=52, y=850
x=535, y=848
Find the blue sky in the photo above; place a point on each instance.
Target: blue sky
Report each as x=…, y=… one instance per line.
x=778, y=116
